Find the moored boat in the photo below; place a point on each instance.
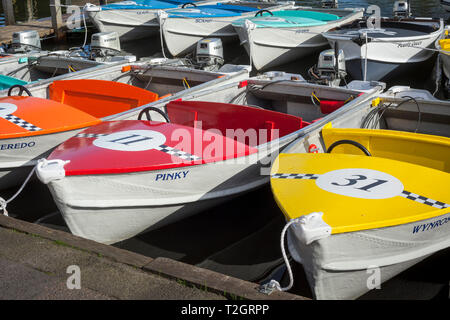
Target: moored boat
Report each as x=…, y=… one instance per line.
x=395, y=47
x=31, y=126
x=40, y=66
x=356, y=215
x=132, y=19
x=276, y=38
x=148, y=79
x=134, y=175
x=182, y=28
x=181, y=178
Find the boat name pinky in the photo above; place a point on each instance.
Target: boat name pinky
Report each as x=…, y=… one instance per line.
x=9, y=146
x=171, y=176
x=430, y=225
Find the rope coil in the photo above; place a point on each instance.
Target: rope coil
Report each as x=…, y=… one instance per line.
x=273, y=284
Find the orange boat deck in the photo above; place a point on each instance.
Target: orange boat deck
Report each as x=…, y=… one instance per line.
x=72, y=104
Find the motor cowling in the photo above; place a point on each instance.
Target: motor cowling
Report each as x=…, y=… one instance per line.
x=402, y=9
x=329, y=3
x=25, y=41
x=105, y=44
x=330, y=68
x=209, y=53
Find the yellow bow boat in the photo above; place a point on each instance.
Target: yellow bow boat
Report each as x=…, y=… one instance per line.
x=373, y=203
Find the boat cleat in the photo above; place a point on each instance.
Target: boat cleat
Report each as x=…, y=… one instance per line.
x=50, y=170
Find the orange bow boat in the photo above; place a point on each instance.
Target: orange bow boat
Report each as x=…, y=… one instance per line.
x=31, y=127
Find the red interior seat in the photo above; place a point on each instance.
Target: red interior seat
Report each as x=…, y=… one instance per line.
x=223, y=116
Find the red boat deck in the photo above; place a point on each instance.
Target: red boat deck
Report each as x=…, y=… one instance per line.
x=199, y=132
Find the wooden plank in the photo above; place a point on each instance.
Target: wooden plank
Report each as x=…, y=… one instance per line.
x=9, y=12
x=43, y=27
x=212, y=281
x=57, y=22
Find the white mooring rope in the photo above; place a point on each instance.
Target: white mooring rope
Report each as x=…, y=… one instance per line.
x=273, y=284
x=4, y=202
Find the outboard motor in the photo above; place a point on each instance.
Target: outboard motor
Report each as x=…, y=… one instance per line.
x=104, y=44
x=25, y=41
x=330, y=69
x=402, y=9
x=329, y=3
x=209, y=54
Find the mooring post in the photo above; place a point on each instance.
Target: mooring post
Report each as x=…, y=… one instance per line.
x=9, y=12
x=57, y=23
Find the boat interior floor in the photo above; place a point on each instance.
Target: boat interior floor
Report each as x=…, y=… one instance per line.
x=225, y=116
x=307, y=103
x=410, y=115
x=389, y=29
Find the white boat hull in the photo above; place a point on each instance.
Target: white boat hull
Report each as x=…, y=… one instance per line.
x=384, y=56
x=181, y=35
x=19, y=155
x=17, y=161
x=128, y=204
x=345, y=265
x=129, y=24
x=270, y=47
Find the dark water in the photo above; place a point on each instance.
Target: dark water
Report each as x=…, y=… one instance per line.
x=241, y=237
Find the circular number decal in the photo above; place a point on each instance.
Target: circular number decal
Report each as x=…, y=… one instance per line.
x=7, y=108
x=360, y=183
x=131, y=140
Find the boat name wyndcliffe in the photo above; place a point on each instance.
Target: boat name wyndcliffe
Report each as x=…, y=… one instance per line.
x=409, y=44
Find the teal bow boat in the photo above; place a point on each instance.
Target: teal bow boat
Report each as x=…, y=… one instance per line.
x=7, y=82
x=183, y=28
x=275, y=38
x=289, y=19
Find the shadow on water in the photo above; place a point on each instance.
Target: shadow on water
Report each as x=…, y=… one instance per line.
x=241, y=238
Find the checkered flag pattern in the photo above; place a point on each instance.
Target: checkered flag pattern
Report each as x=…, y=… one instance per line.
x=295, y=176
x=424, y=200
x=90, y=135
x=178, y=153
x=21, y=123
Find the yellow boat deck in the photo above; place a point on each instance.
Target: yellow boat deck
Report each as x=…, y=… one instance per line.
x=359, y=192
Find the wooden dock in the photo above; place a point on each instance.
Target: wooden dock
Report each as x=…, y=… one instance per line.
x=44, y=26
